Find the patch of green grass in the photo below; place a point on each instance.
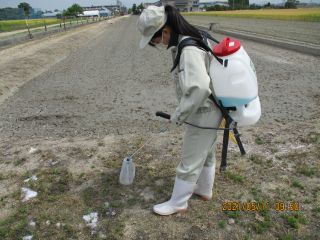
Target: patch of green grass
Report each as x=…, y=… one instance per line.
x=19, y=161
x=133, y=201
x=51, y=183
x=235, y=177
x=256, y=193
x=222, y=224
x=297, y=184
x=315, y=192
x=283, y=194
x=13, y=25
x=266, y=214
x=286, y=237
x=294, y=220
x=316, y=211
x=246, y=237
x=101, y=143
x=259, y=140
x=2, y=177
x=201, y=216
x=115, y=230
x=66, y=210
x=16, y=225
x=312, y=137
x=111, y=162
x=233, y=214
x=90, y=195
x=256, y=159
x=293, y=236
x=307, y=201
x=59, y=202
x=53, y=203
x=108, y=195
x=274, y=150
x=306, y=170
x=261, y=227
x=81, y=175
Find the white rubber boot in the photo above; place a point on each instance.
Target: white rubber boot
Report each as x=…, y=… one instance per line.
x=178, y=202
x=205, y=183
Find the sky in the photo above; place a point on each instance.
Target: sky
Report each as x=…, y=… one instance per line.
x=63, y=4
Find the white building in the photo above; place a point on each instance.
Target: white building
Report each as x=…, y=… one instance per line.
x=104, y=10
x=90, y=13
x=203, y=4
x=183, y=5
x=51, y=14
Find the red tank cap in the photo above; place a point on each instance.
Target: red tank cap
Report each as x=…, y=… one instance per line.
x=226, y=47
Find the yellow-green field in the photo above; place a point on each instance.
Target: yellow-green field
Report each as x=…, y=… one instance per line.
x=300, y=14
x=12, y=25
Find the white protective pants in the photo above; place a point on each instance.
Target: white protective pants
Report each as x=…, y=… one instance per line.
x=199, y=145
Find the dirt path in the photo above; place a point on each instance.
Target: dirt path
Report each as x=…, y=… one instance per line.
x=108, y=80
x=94, y=87
x=22, y=62
x=92, y=103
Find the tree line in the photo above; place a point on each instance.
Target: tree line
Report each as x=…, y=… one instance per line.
x=244, y=4
x=25, y=10
x=136, y=9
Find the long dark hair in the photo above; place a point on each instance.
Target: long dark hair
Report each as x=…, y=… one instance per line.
x=179, y=25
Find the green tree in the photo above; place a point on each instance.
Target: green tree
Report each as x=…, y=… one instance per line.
x=134, y=8
x=268, y=5
x=140, y=8
x=74, y=10
x=26, y=9
x=11, y=13
x=291, y=4
x=238, y=4
x=65, y=13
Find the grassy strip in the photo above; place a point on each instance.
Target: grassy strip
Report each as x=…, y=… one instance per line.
x=64, y=196
x=58, y=209
x=13, y=25
x=300, y=14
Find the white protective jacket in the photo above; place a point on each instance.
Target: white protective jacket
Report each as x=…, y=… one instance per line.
x=193, y=83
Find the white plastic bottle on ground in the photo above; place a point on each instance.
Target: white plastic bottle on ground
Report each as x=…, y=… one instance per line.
x=127, y=171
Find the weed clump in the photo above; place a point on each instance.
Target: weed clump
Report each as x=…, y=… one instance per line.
x=294, y=220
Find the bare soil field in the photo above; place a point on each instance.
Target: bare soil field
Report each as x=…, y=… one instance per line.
x=74, y=105
x=306, y=32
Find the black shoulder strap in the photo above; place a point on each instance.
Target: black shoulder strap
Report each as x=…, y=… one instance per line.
x=208, y=36
x=188, y=42
x=202, y=44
